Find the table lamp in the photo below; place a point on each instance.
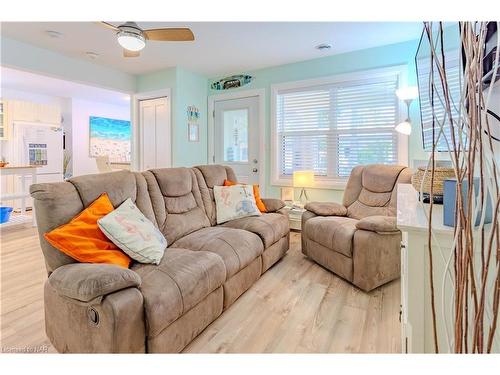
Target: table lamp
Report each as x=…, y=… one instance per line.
x=303, y=179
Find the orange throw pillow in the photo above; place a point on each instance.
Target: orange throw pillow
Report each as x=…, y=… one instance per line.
x=256, y=192
x=82, y=239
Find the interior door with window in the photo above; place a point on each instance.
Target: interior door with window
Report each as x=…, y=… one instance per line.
x=236, y=142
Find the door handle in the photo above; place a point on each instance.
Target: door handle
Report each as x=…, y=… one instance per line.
x=255, y=170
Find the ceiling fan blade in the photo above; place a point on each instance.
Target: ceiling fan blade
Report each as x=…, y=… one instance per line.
x=177, y=34
x=127, y=53
x=108, y=25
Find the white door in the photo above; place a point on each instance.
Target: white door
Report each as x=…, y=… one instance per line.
x=236, y=142
x=155, y=136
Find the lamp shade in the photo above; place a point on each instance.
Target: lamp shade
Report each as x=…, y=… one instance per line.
x=407, y=93
x=404, y=127
x=303, y=179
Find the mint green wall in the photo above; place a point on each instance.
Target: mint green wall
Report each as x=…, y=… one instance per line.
x=191, y=90
x=162, y=79
x=379, y=57
x=187, y=89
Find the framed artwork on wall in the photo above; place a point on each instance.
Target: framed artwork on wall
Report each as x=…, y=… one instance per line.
x=193, y=115
x=110, y=137
x=193, y=132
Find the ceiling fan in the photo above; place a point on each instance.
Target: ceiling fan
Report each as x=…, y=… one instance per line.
x=133, y=39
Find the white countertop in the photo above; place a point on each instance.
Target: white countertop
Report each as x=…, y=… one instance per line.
x=412, y=215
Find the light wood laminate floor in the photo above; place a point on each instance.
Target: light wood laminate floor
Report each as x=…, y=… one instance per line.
x=296, y=306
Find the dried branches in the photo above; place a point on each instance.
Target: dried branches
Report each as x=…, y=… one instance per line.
x=476, y=254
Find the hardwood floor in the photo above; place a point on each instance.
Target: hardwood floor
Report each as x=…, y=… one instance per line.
x=297, y=306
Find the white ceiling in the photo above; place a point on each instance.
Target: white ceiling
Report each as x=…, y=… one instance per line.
x=42, y=85
x=219, y=47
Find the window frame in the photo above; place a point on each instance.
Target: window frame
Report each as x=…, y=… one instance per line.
x=337, y=183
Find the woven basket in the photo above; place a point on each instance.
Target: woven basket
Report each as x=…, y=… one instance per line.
x=440, y=174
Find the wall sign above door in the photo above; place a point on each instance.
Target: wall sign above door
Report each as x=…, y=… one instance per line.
x=231, y=82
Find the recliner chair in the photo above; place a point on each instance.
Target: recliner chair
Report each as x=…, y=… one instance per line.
x=358, y=240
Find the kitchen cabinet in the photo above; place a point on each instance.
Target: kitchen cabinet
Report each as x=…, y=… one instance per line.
x=23, y=111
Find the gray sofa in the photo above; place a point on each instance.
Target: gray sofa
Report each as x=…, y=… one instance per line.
x=149, y=308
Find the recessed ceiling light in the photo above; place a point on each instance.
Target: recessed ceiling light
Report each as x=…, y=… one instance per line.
x=323, y=46
x=92, y=55
x=53, y=34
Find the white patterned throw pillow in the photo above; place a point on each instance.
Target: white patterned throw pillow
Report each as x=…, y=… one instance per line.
x=132, y=232
x=233, y=202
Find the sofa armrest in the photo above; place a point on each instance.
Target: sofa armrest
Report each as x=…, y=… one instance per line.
x=87, y=282
x=273, y=204
x=379, y=224
x=326, y=208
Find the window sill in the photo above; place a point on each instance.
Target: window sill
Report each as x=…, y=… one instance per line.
x=337, y=184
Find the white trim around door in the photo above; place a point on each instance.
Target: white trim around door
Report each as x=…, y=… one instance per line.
x=137, y=163
x=261, y=94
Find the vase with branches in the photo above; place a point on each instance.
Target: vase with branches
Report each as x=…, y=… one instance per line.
x=460, y=121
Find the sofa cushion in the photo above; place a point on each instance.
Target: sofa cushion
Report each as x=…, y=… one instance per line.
x=88, y=282
x=326, y=208
x=55, y=204
x=380, y=178
x=379, y=224
x=132, y=232
x=269, y=227
x=256, y=193
x=181, y=280
x=234, y=202
x=82, y=239
x=273, y=204
x=237, y=248
x=333, y=232
x=177, y=202
x=118, y=185
x=209, y=176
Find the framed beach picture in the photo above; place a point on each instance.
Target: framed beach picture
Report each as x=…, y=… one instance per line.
x=193, y=132
x=110, y=137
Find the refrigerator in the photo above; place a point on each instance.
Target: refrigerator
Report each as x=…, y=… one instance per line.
x=40, y=145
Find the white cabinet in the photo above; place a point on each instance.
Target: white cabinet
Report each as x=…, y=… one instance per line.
x=48, y=114
x=295, y=217
x=22, y=111
x=416, y=308
x=34, y=112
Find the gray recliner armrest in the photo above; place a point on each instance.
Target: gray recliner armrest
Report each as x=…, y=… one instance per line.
x=87, y=282
x=379, y=224
x=273, y=204
x=326, y=208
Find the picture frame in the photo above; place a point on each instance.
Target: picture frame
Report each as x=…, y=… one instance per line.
x=193, y=132
x=287, y=194
x=110, y=137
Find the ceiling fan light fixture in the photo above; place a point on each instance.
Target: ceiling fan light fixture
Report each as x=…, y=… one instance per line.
x=131, y=41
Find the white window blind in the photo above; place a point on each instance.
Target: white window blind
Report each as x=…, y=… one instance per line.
x=332, y=128
x=441, y=115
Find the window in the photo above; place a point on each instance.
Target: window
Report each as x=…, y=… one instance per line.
x=330, y=127
x=236, y=135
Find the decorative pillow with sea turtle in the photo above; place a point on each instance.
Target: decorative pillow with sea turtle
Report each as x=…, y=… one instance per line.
x=234, y=202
